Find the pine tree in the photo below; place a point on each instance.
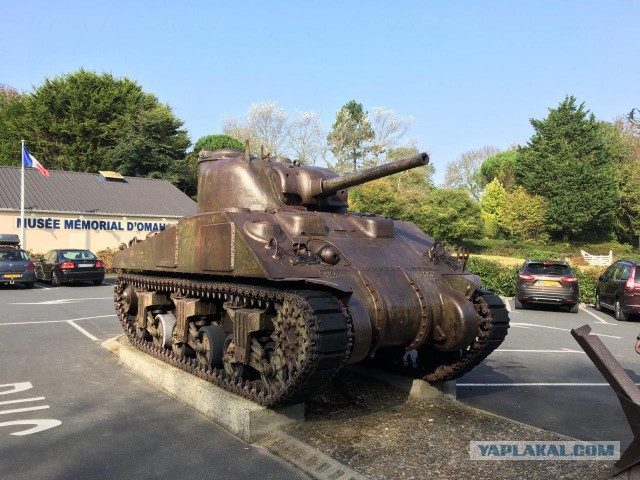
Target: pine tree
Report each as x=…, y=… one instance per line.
x=567, y=161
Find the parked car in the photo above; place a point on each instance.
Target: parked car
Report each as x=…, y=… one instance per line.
x=15, y=265
x=66, y=266
x=549, y=282
x=618, y=289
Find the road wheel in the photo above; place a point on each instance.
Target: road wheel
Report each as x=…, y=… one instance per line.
x=518, y=303
x=55, y=280
x=574, y=308
x=620, y=315
x=28, y=285
x=597, y=305
x=211, y=350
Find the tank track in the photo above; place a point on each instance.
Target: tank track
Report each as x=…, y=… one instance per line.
x=435, y=366
x=327, y=323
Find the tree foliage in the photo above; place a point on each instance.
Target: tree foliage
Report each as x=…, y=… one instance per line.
x=306, y=138
x=216, y=142
x=568, y=162
x=389, y=130
x=502, y=167
x=451, y=215
x=465, y=171
x=264, y=125
x=350, y=137
x=523, y=215
x=87, y=122
x=492, y=200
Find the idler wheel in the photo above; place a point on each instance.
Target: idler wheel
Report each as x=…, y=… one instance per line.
x=212, y=340
x=130, y=300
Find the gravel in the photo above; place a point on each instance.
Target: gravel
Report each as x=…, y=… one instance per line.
x=385, y=434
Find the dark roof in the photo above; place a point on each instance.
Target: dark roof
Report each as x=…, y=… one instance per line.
x=91, y=193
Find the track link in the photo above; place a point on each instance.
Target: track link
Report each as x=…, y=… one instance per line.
x=327, y=323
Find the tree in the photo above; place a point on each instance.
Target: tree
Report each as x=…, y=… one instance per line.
x=350, y=138
x=623, y=138
x=12, y=125
x=216, y=142
x=493, y=198
x=389, y=130
x=568, y=162
x=264, y=125
x=502, y=167
x=523, y=215
x=465, y=171
x=451, y=215
x=85, y=121
x=306, y=138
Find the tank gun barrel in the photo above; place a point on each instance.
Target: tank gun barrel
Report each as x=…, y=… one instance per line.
x=334, y=185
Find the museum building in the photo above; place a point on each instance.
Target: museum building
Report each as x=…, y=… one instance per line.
x=87, y=210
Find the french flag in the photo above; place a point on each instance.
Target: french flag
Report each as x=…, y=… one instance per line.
x=29, y=160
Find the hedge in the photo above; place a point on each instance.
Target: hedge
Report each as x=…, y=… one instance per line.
x=502, y=280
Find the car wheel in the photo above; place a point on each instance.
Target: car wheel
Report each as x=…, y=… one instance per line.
x=55, y=280
x=518, y=303
x=620, y=315
x=574, y=308
x=97, y=282
x=28, y=285
x=597, y=305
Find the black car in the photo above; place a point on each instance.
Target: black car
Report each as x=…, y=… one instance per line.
x=618, y=289
x=549, y=282
x=66, y=266
x=15, y=265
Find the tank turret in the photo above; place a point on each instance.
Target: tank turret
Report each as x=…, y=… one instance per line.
x=273, y=286
x=231, y=179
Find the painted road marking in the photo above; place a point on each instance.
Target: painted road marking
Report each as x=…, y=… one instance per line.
x=63, y=301
x=81, y=330
x=600, y=320
x=39, y=425
x=527, y=325
x=34, y=399
x=540, y=384
x=506, y=304
x=562, y=350
x=57, y=321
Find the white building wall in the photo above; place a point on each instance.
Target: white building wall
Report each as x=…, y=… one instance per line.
x=47, y=230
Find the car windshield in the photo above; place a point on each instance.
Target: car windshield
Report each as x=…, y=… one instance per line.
x=13, y=255
x=76, y=255
x=548, y=269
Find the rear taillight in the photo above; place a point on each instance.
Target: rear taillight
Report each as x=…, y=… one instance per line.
x=31, y=266
x=67, y=265
x=631, y=284
x=99, y=264
x=569, y=279
x=522, y=276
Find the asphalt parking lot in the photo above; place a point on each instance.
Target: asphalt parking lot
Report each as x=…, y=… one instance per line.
x=542, y=377
x=68, y=410
x=84, y=415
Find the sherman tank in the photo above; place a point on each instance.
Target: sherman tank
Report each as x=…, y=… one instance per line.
x=273, y=286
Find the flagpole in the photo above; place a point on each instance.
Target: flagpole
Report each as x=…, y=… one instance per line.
x=22, y=199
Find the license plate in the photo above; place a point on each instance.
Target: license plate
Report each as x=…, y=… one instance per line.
x=85, y=265
x=549, y=283
x=12, y=275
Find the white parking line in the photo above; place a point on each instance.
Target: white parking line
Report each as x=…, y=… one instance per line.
x=57, y=321
x=62, y=301
x=506, y=304
x=527, y=325
x=600, y=320
x=81, y=330
x=559, y=384
x=562, y=350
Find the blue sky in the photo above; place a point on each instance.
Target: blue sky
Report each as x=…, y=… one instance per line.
x=471, y=73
